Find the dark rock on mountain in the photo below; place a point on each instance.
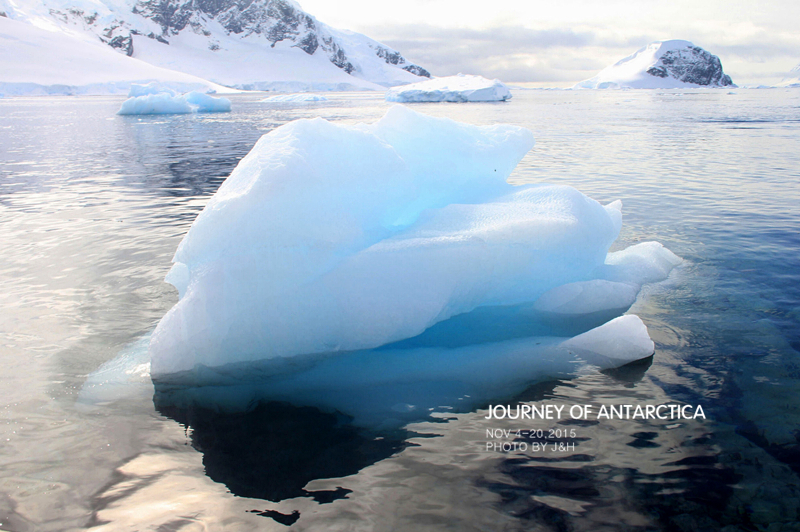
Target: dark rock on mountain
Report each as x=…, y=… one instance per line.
x=691, y=65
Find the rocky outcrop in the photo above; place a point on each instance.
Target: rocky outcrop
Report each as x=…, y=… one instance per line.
x=691, y=64
x=662, y=64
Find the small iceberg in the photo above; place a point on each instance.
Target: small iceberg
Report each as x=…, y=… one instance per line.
x=459, y=88
x=292, y=98
x=385, y=270
x=153, y=99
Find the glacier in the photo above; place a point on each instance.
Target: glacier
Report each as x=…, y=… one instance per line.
x=151, y=99
x=384, y=270
x=458, y=88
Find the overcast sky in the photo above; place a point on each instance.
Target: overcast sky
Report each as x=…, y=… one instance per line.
x=561, y=42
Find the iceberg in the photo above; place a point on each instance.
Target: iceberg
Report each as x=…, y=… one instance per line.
x=390, y=268
x=203, y=103
x=459, y=88
x=292, y=98
x=161, y=103
x=152, y=100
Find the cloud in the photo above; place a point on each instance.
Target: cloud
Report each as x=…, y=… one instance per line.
x=511, y=53
x=564, y=56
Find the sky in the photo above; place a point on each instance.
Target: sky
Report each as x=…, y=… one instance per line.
x=561, y=42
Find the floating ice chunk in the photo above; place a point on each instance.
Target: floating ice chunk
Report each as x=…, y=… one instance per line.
x=151, y=88
x=155, y=104
x=160, y=103
x=459, y=88
x=616, y=343
x=586, y=297
x=291, y=98
x=648, y=262
x=331, y=242
x=203, y=103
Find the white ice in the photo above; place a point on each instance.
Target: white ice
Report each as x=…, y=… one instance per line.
x=459, y=88
x=203, y=103
x=155, y=104
x=329, y=238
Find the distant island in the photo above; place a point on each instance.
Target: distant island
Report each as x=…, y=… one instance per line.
x=671, y=64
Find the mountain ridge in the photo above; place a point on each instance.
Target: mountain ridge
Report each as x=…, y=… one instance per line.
x=212, y=27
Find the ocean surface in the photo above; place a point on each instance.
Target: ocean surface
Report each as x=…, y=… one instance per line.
x=93, y=205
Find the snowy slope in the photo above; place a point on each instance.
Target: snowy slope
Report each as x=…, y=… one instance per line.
x=246, y=64
x=793, y=79
x=662, y=65
x=264, y=44
x=36, y=61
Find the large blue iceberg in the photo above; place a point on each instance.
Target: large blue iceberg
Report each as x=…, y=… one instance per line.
x=381, y=256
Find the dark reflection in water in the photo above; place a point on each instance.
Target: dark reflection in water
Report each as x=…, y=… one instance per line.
x=689, y=494
x=687, y=484
x=272, y=451
x=630, y=374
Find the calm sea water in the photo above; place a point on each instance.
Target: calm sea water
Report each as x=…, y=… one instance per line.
x=93, y=205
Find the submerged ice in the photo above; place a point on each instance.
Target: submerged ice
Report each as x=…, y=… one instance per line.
x=394, y=254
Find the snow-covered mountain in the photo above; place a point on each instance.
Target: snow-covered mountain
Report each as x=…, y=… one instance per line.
x=793, y=79
x=40, y=62
x=252, y=44
x=662, y=65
